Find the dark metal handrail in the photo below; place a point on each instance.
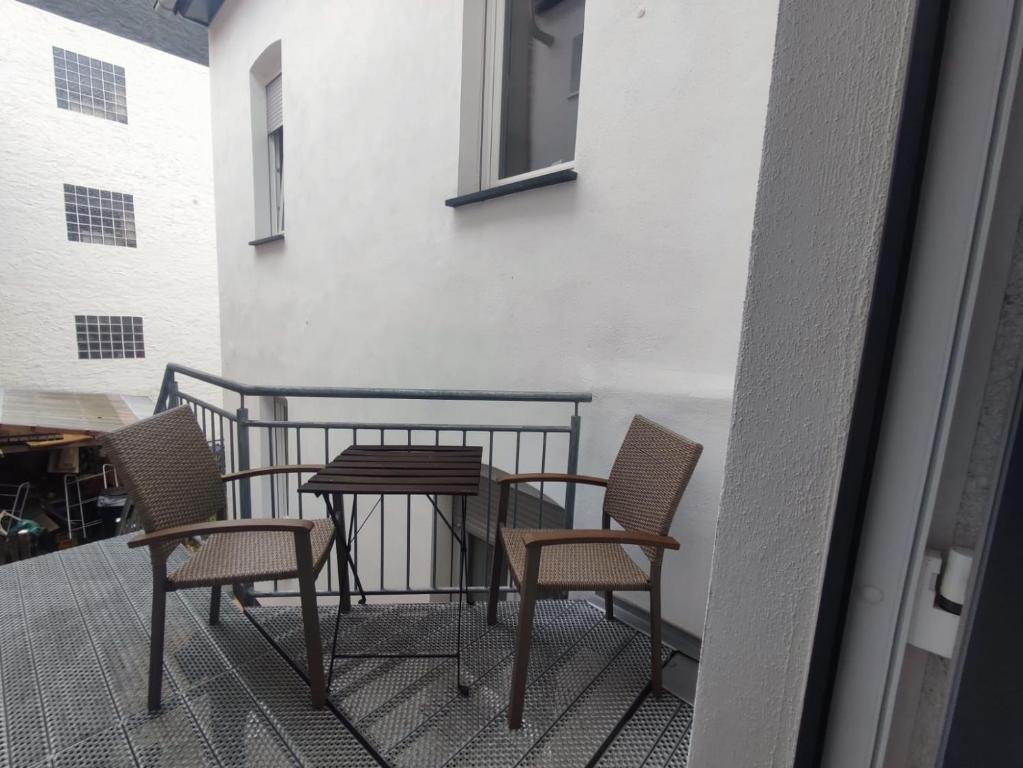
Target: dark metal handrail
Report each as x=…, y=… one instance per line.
x=368, y=393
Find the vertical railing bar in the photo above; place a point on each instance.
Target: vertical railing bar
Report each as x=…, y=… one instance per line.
x=244, y=487
x=213, y=430
x=354, y=527
x=465, y=529
x=382, y=527
x=515, y=490
x=243, y=591
x=234, y=466
x=337, y=545
x=223, y=442
x=298, y=460
x=408, y=526
x=433, y=533
x=271, y=461
x=543, y=468
x=573, y=468
x=490, y=496
x=273, y=488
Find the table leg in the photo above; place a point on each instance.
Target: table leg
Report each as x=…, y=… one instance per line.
x=462, y=578
x=337, y=514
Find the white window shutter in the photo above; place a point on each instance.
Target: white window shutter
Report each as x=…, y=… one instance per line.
x=274, y=104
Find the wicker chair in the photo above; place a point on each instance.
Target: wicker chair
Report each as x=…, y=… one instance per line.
x=644, y=489
x=173, y=479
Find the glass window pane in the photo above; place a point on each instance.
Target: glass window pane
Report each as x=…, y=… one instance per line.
x=540, y=89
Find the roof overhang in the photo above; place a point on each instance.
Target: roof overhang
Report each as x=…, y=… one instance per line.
x=199, y=11
x=32, y=419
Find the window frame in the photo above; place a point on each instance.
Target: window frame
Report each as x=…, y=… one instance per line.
x=275, y=168
x=268, y=195
x=482, y=102
x=275, y=163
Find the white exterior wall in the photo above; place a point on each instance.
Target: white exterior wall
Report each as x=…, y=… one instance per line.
x=162, y=156
x=628, y=282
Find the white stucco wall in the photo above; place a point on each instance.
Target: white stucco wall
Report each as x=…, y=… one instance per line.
x=832, y=119
x=162, y=156
x=628, y=282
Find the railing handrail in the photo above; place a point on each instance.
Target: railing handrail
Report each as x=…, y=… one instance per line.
x=367, y=393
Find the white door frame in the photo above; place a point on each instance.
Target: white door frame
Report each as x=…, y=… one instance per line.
x=969, y=209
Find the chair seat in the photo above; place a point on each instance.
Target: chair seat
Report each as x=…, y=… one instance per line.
x=575, y=566
x=232, y=558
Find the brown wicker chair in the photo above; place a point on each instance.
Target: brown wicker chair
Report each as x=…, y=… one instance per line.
x=644, y=489
x=173, y=479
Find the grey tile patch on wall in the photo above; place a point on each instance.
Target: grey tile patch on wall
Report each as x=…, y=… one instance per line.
x=108, y=337
x=99, y=216
x=90, y=86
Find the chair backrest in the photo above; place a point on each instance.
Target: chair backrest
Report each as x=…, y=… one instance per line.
x=649, y=475
x=168, y=469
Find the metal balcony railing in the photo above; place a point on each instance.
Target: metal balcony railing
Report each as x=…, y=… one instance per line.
x=404, y=527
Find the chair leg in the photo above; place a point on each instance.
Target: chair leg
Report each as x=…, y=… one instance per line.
x=156, y=630
x=609, y=605
x=655, y=629
x=215, y=605
x=527, y=605
x=495, y=579
x=310, y=619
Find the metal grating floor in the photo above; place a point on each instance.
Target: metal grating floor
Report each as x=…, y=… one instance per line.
x=73, y=670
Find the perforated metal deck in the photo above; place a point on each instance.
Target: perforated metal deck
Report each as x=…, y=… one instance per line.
x=73, y=667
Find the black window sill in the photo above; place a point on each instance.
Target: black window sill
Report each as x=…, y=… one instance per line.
x=268, y=239
x=544, y=180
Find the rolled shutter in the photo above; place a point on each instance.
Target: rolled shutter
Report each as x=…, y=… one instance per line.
x=274, y=104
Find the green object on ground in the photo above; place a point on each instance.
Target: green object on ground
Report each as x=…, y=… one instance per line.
x=31, y=527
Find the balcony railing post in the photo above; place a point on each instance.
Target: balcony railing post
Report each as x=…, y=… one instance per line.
x=573, y=468
x=173, y=401
x=161, y=398
x=244, y=487
x=243, y=592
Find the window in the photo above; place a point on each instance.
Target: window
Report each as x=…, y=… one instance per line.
x=523, y=63
x=99, y=216
x=266, y=90
x=102, y=337
x=275, y=151
x=90, y=86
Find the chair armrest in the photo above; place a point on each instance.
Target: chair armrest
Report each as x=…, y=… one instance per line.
x=274, y=470
x=552, y=477
x=221, y=526
x=551, y=537
x=505, y=484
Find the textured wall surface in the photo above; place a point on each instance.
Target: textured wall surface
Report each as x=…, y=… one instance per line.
x=832, y=119
x=162, y=156
x=628, y=282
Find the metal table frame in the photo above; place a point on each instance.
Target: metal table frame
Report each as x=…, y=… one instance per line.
x=334, y=502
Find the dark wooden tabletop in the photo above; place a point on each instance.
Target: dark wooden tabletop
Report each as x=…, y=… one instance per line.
x=445, y=470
